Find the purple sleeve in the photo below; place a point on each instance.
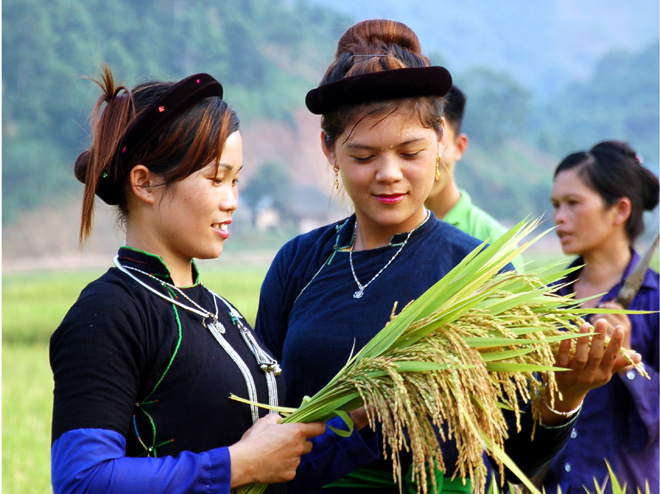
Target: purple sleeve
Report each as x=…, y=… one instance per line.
x=643, y=419
x=333, y=457
x=92, y=460
x=644, y=393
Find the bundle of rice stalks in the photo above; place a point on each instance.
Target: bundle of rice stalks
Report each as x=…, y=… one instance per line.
x=478, y=341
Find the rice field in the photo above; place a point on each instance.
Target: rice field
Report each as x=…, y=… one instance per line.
x=33, y=304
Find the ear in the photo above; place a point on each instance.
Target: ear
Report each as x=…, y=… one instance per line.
x=141, y=182
x=622, y=209
x=462, y=142
x=443, y=141
x=329, y=153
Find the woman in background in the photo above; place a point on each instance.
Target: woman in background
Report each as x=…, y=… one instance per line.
x=328, y=292
x=599, y=197
x=145, y=360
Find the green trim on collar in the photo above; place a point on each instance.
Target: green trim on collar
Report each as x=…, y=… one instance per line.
x=195, y=271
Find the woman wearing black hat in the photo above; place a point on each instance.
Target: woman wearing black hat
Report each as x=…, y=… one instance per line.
x=328, y=292
x=145, y=361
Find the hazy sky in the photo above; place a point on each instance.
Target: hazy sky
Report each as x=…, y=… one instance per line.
x=543, y=44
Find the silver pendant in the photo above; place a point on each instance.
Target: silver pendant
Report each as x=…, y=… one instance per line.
x=359, y=293
x=215, y=325
x=219, y=327
x=271, y=367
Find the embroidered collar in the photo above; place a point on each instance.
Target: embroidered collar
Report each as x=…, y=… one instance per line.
x=151, y=263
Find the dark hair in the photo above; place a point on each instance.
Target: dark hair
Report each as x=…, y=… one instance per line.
x=377, y=45
x=181, y=146
x=454, y=108
x=614, y=170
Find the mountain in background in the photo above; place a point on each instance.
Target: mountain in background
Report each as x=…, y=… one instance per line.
x=543, y=45
x=543, y=80
x=265, y=53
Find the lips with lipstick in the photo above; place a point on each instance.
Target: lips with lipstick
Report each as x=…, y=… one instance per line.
x=389, y=198
x=222, y=229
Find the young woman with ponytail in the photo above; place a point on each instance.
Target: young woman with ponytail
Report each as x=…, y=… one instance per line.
x=146, y=359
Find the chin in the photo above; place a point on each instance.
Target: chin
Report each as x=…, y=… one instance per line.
x=569, y=251
x=214, y=254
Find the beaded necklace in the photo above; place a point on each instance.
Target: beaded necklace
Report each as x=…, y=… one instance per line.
x=267, y=364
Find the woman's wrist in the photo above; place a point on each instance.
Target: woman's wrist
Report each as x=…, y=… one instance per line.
x=242, y=472
x=565, y=414
x=556, y=410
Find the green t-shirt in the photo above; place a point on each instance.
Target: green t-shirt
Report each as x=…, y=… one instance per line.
x=475, y=221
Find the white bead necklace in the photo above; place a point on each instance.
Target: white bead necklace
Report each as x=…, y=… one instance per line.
x=267, y=364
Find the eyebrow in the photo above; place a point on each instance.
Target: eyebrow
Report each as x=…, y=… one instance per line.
x=358, y=145
x=570, y=195
x=229, y=167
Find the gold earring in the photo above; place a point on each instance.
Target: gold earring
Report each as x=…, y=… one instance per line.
x=437, y=168
x=336, y=169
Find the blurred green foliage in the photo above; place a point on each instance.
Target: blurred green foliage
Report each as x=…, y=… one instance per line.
x=267, y=54
x=27, y=398
x=620, y=101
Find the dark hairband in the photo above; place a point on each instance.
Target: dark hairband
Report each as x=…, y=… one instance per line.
x=178, y=98
x=378, y=86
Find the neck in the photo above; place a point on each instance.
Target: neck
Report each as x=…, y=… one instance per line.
x=443, y=201
x=604, y=267
x=371, y=235
x=181, y=274
x=180, y=268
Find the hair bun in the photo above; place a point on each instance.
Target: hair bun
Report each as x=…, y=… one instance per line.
x=81, y=166
x=651, y=189
x=370, y=34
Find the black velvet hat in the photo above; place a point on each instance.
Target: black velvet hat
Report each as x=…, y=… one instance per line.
x=378, y=86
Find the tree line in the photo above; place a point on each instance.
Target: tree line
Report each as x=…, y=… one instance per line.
x=268, y=54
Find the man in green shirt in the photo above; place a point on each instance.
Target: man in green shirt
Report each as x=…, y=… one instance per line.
x=447, y=201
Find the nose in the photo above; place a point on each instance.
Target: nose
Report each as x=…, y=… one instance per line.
x=389, y=170
x=229, y=199
x=558, y=215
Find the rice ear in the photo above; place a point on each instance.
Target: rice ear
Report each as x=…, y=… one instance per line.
x=477, y=342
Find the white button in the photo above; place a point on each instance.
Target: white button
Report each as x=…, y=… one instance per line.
x=573, y=433
x=631, y=374
x=567, y=467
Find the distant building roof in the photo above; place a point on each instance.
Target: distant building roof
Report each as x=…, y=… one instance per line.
x=307, y=200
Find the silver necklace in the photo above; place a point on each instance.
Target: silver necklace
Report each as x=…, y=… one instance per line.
x=361, y=288
x=212, y=318
x=267, y=364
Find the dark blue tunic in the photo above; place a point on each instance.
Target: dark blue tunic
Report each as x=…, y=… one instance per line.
x=136, y=375
x=310, y=321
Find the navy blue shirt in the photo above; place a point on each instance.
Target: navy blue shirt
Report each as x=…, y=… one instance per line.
x=311, y=323
x=312, y=331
